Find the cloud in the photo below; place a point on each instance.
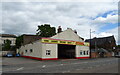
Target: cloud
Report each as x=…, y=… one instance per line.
x=109, y=19
x=60, y=0
x=112, y=32
x=24, y=17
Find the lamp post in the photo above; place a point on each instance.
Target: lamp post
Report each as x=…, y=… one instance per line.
x=90, y=41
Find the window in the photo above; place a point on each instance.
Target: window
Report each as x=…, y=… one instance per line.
x=87, y=52
x=4, y=41
x=31, y=50
x=7, y=41
x=25, y=51
x=81, y=53
x=48, y=52
x=10, y=42
x=84, y=52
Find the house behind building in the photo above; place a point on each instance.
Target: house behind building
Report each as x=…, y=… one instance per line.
x=103, y=45
x=3, y=38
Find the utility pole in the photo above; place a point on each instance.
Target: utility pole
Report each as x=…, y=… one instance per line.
x=90, y=43
x=95, y=45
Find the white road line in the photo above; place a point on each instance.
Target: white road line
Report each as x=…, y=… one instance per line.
x=61, y=64
x=85, y=62
x=20, y=68
x=79, y=69
x=65, y=71
x=75, y=63
x=43, y=66
x=90, y=67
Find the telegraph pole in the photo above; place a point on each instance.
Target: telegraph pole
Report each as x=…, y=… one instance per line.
x=90, y=43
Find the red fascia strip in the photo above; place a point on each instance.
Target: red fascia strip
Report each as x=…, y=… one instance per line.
x=40, y=58
x=49, y=58
x=32, y=57
x=82, y=57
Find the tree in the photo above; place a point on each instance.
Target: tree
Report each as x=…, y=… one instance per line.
x=118, y=46
x=19, y=41
x=46, y=31
x=7, y=45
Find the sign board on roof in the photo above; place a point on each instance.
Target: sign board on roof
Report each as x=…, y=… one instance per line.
x=59, y=41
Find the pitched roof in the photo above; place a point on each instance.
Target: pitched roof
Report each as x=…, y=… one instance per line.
x=7, y=35
x=67, y=32
x=29, y=38
x=101, y=40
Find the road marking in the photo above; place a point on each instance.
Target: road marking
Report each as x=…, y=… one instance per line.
x=65, y=71
x=61, y=64
x=80, y=63
x=20, y=68
x=90, y=67
x=43, y=66
x=75, y=63
x=79, y=69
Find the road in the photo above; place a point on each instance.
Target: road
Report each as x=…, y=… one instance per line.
x=24, y=65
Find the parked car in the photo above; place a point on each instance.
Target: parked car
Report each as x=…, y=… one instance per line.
x=17, y=55
x=9, y=55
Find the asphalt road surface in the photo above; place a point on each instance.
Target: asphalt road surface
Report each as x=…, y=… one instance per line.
x=24, y=65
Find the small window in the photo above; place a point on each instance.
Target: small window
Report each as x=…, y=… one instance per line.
x=25, y=51
x=10, y=42
x=84, y=52
x=87, y=52
x=48, y=52
x=81, y=52
x=31, y=50
x=4, y=41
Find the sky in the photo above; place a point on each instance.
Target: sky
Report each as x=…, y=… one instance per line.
x=23, y=17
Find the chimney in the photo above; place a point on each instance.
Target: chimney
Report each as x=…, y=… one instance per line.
x=59, y=29
x=75, y=31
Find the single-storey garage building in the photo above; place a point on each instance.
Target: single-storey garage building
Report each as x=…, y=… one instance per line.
x=66, y=44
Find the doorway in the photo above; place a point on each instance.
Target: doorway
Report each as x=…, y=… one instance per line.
x=66, y=51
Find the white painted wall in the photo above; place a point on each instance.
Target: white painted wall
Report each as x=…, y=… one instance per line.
x=82, y=48
x=13, y=40
x=52, y=47
x=36, y=47
x=39, y=50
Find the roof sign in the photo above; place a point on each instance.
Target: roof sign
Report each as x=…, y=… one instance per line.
x=59, y=41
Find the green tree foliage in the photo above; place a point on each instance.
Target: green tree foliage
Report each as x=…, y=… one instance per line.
x=7, y=45
x=19, y=41
x=46, y=31
x=118, y=45
x=13, y=48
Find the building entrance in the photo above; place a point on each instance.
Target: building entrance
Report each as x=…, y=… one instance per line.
x=66, y=51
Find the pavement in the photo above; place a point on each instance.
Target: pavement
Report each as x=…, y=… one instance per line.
x=24, y=65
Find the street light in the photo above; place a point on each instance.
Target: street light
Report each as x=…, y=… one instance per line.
x=90, y=41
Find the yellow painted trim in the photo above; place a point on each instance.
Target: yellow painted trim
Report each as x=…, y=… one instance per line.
x=57, y=41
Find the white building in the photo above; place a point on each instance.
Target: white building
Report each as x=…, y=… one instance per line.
x=66, y=44
x=4, y=37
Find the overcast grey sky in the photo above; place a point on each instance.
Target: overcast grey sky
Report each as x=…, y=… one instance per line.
x=24, y=17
